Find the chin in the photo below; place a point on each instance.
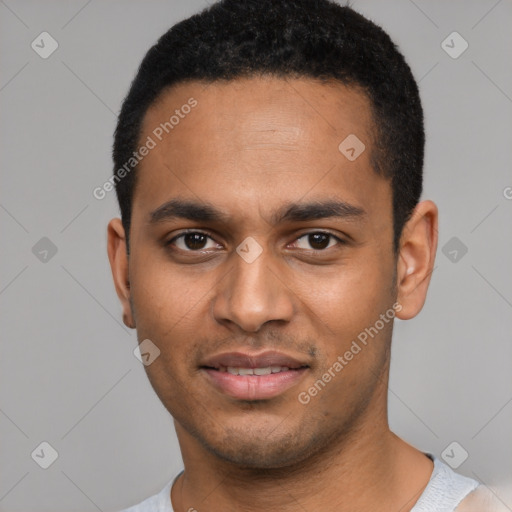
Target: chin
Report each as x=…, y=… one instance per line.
x=267, y=450
x=260, y=456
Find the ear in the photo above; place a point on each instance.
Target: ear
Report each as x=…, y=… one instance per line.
x=116, y=247
x=418, y=245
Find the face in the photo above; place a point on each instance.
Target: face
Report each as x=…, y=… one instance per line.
x=259, y=254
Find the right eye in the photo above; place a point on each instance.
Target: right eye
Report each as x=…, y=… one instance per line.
x=192, y=241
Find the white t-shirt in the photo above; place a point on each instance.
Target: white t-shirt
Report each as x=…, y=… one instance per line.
x=446, y=491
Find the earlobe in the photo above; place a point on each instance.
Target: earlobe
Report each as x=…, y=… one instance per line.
x=127, y=320
x=119, y=264
x=418, y=245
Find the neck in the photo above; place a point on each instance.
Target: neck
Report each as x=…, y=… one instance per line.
x=369, y=468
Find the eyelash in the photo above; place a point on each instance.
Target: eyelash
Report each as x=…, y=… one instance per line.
x=199, y=251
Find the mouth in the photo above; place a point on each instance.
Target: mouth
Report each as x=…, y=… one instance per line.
x=267, y=370
x=253, y=377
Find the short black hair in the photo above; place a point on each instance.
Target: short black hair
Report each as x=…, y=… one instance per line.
x=316, y=39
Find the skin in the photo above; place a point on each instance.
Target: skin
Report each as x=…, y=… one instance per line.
x=249, y=148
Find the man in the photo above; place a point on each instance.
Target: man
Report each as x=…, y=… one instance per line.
x=268, y=166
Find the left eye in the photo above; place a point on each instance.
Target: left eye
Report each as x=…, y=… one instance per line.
x=317, y=241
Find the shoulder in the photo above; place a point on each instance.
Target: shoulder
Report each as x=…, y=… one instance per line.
x=160, y=502
x=446, y=489
x=481, y=500
x=451, y=491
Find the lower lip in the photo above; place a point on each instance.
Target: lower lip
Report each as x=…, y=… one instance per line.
x=254, y=387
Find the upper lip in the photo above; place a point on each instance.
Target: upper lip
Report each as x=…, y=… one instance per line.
x=261, y=360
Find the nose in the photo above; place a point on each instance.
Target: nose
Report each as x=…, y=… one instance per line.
x=252, y=294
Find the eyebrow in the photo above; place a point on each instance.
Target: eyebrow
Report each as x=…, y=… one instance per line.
x=290, y=212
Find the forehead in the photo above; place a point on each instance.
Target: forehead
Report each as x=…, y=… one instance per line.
x=255, y=141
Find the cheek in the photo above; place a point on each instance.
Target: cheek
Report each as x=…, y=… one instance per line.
x=347, y=303
x=354, y=341
x=352, y=292
x=170, y=310
x=166, y=298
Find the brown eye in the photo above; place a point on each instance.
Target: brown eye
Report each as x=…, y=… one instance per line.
x=317, y=241
x=193, y=241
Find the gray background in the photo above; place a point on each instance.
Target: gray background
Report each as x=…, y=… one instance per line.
x=68, y=374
